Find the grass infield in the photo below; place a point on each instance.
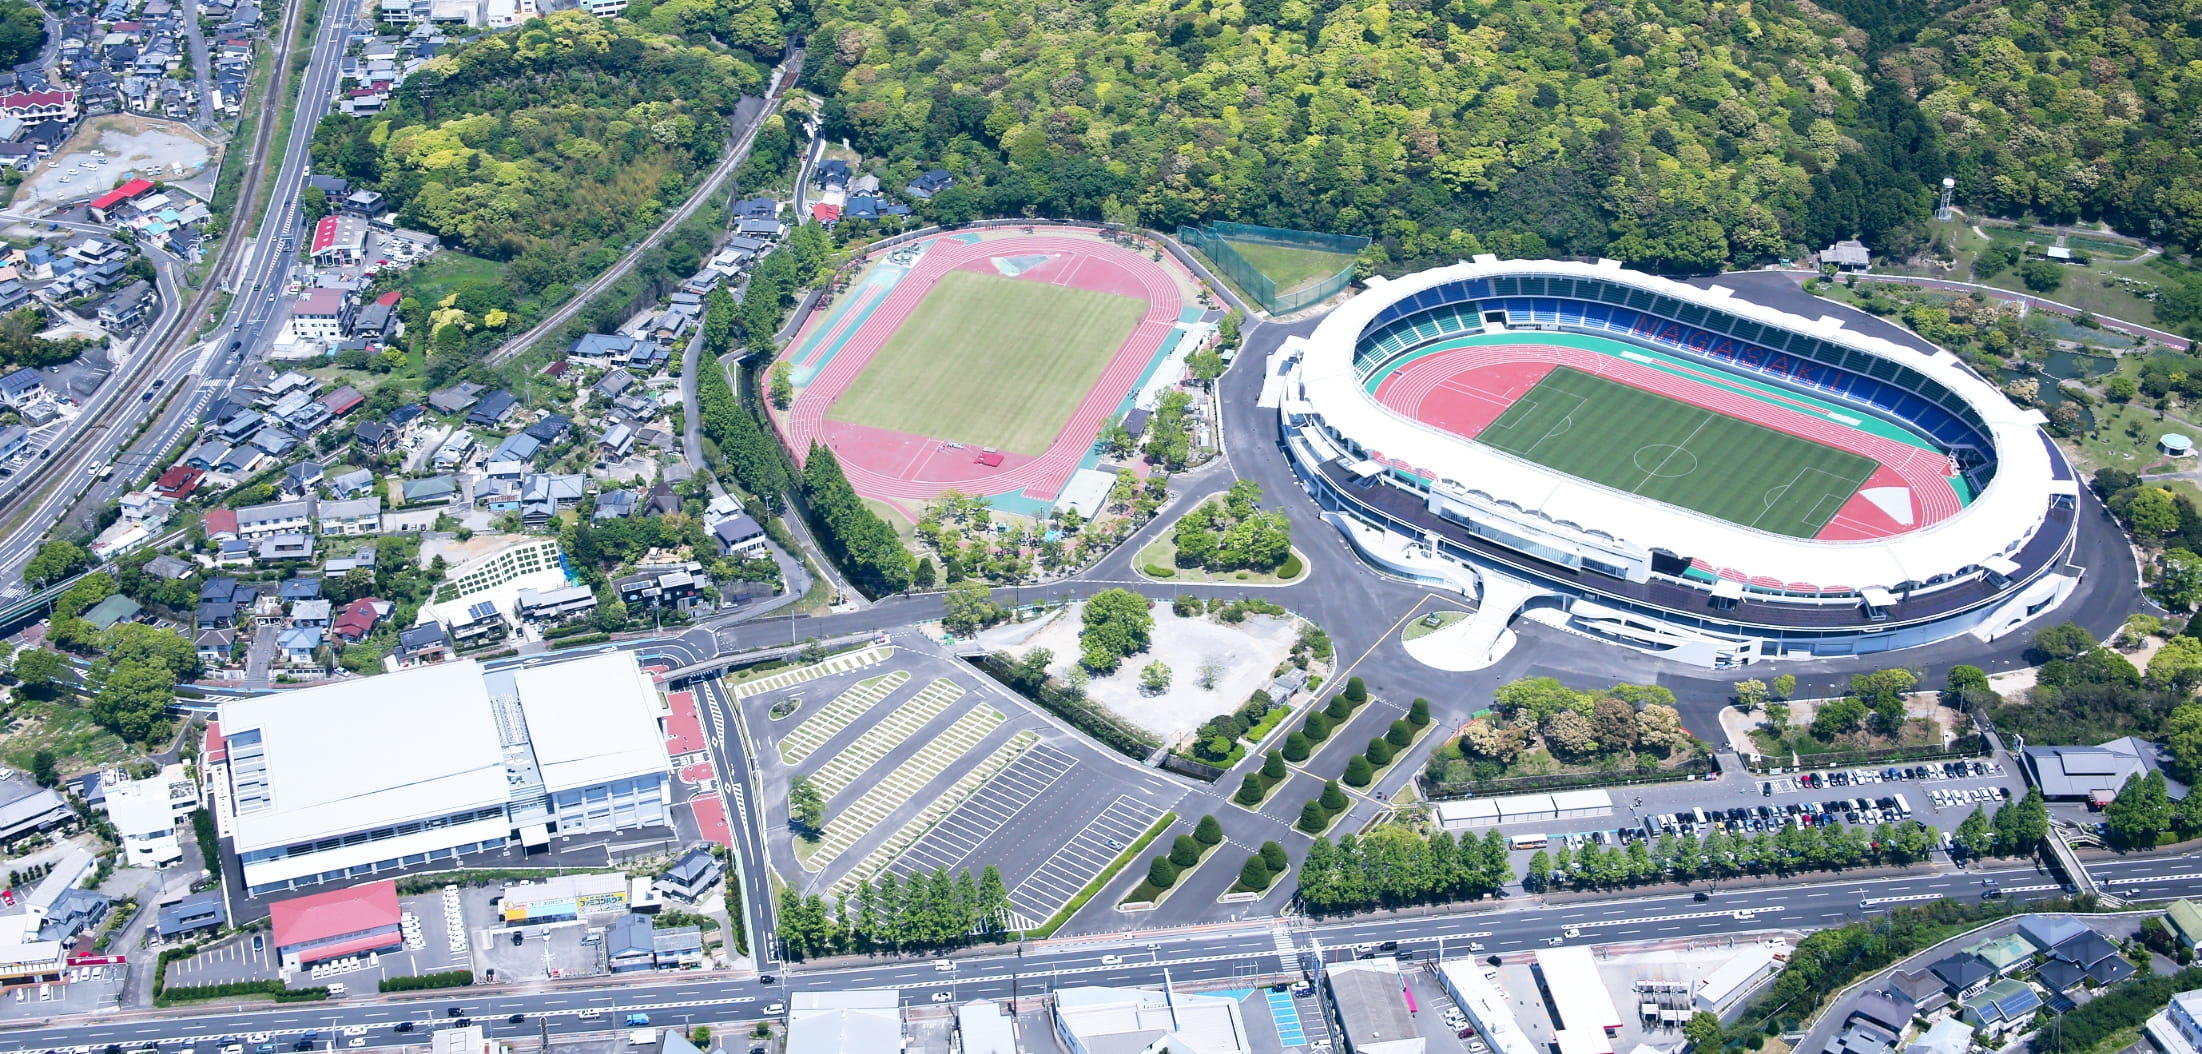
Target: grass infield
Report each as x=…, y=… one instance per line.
x=1291, y=268
x=991, y=362
x=1667, y=450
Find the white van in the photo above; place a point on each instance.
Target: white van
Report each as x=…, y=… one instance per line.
x=943, y=966
x=591, y=1015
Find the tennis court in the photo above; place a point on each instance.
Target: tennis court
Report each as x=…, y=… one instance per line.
x=1660, y=448
x=991, y=361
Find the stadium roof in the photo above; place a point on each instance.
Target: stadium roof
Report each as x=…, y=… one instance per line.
x=1999, y=521
x=591, y=720
x=356, y=755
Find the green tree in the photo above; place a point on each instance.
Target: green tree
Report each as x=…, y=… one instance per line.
x=1254, y=874
x=132, y=699
x=38, y=671
x=1161, y=873
x=1154, y=678
x=1185, y=850
x=1356, y=692
x=1418, y=715
x=1296, y=745
x=782, y=385
x=2177, y=665
x=1250, y=791
x=1208, y=831
x=44, y=768
x=2183, y=741
x=1205, y=366
x=2178, y=582
x=1750, y=694
x=1378, y=752
x=806, y=807
x=2021, y=825
x=1702, y=1030
x=1317, y=726
x=1333, y=799
x=1974, y=834
x=55, y=561
x=1273, y=766
x=968, y=606
x=2041, y=276
x=1116, y=624
x=1358, y=772
x=1313, y=817
x=1784, y=686
x=2140, y=812
x=2065, y=640
x=1274, y=855
x=1400, y=734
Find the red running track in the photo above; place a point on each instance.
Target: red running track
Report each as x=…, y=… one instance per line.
x=893, y=465
x=1463, y=390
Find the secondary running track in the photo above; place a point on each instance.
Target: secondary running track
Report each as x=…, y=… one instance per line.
x=900, y=468
x=1462, y=390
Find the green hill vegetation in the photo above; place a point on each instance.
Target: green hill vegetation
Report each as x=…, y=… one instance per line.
x=546, y=149
x=1676, y=134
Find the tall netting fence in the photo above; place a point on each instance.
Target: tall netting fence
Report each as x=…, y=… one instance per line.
x=1302, y=259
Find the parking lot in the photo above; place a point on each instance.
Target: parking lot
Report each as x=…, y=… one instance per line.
x=1065, y=872
x=924, y=764
x=429, y=948
x=94, y=989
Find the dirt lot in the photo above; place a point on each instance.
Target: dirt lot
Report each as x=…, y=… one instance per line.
x=1243, y=655
x=134, y=146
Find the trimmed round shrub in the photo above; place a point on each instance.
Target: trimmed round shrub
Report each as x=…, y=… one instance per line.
x=1297, y=747
x=1339, y=709
x=1273, y=766
x=1379, y=752
x=1419, y=714
x=1317, y=727
x=1250, y=791
x=1313, y=818
x=1208, y=831
x=1333, y=798
x=1359, y=772
x=1184, y=850
x=1400, y=734
x=1356, y=692
x=1254, y=874
x=1291, y=568
x=1274, y=855
x=1161, y=873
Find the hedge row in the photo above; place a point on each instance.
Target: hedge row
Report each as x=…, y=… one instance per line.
x=445, y=979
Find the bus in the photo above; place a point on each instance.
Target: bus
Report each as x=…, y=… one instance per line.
x=1529, y=841
x=1903, y=808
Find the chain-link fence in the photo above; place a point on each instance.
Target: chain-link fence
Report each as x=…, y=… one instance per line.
x=1219, y=242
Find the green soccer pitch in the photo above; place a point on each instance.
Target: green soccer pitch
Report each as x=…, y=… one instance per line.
x=991, y=362
x=1667, y=450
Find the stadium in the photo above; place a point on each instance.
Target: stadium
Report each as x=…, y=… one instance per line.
x=1671, y=468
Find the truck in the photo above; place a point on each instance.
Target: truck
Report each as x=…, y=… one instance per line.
x=634, y=1020
x=643, y=1037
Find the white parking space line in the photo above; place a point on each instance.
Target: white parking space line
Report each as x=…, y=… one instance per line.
x=989, y=811
x=1051, y=886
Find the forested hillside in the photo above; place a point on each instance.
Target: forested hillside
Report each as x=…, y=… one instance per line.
x=1677, y=134
x=550, y=146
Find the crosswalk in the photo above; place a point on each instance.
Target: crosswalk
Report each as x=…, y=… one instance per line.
x=1288, y=953
x=854, y=660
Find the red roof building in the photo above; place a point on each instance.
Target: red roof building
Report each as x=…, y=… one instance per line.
x=178, y=482
x=221, y=523
x=323, y=926
x=357, y=619
x=130, y=191
x=825, y=213
x=343, y=400
x=216, y=749
x=390, y=299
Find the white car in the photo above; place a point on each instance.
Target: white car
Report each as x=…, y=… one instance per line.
x=942, y=997
x=1111, y=960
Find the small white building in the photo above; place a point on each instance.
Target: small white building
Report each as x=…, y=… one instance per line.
x=145, y=813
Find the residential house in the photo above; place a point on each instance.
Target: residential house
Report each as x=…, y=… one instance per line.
x=322, y=315
x=425, y=491
x=277, y=547
x=375, y=437
x=254, y=521
x=456, y=398
x=357, y=619
x=740, y=534
x=613, y=384
x=20, y=387
x=692, y=875
x=302, y=479
x=456, y=448
x=297, y=645
x=178, y=482
x=421, y=645
x=313, y=613
x=550, y=605
x=551, y=430
x=339, y=240
x=929, y=183
x=601, y=349
x=204, y=910
x=354, y=517
x=351, y=484
x=343, y=401
x=674, y=587
x=125, y=307
x=493, y=409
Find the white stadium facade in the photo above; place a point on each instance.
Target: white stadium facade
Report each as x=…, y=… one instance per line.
x=1424, y=501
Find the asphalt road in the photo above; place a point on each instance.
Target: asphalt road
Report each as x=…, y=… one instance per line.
x=1239, y=953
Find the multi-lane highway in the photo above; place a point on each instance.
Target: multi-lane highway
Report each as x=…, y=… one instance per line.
x=187, y=377
x=1238, y=954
